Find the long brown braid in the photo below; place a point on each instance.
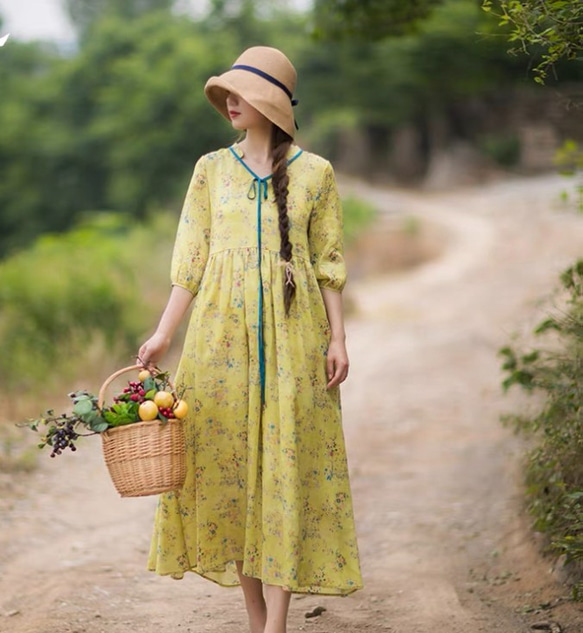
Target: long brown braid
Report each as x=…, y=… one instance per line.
x=280, y=144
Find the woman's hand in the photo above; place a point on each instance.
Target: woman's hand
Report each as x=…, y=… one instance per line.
x=153, y=350
x=337, y=359
x=336, y=363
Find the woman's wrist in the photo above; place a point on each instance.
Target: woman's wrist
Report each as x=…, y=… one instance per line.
x=338, y=337
x=164, y=336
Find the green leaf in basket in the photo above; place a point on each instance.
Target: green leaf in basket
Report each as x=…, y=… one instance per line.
x=122, y=413
x=149, y=384
x=150, y=394
x=100, y=426
x=83, y=407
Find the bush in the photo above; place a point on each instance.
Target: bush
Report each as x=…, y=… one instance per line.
x=358, y=215
x=555, y=465
x=70, y=293
x=503, y=149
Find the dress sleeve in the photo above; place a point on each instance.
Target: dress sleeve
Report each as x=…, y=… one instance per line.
x=326, y=235
x=191, y=248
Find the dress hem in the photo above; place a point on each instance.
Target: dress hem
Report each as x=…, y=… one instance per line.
x=320, y=591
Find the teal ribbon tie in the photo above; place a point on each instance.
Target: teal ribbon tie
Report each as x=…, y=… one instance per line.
x=259, y=191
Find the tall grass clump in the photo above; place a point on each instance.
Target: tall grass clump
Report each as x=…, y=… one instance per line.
x=358, y=215
x=554, y=473
x=74, y=295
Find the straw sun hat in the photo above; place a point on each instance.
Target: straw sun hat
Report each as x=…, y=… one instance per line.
x=263, y=77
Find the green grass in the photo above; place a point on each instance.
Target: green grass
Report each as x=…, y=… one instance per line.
x=71, y=293
x=358, y=215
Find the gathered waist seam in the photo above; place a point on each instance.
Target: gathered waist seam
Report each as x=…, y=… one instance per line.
x=254, y=249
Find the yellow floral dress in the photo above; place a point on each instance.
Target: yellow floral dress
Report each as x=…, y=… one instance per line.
x=267, y=483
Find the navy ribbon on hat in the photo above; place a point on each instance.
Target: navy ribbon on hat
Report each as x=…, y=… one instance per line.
x=271, y=79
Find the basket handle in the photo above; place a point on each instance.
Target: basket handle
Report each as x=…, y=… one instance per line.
x=108, y=381
x=120, y=372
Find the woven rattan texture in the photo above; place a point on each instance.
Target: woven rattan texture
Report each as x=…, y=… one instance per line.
x=145, y=458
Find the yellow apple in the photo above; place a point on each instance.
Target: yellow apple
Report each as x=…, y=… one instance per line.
x=148, y=410
x=180, y=409
x=164, y=399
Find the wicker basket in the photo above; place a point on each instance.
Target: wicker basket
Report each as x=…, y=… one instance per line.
x=143, y=458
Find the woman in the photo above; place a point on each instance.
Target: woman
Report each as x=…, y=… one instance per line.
x=266, y=503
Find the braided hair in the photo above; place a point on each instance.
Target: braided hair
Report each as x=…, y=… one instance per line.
x=280, y=144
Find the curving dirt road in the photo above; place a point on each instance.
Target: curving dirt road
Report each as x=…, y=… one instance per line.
x=445, y=547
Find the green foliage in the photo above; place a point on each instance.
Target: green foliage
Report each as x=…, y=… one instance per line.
x=118, y=126
x=414, y=79
x=555, y=466
x=555, y=26
x=369, y=19
x=504, y=149
x=151, y=118
x=68, y=294
x=86, y=13
x=569, y=160
x=358, y=215
x=121, y=413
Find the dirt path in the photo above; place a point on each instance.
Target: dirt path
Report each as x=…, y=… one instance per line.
x=435, y=476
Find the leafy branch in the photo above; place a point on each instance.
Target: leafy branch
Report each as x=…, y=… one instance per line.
x=63, y=430
x=554, y=475
x=556, y=26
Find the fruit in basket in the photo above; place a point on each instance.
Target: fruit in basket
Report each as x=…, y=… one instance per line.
x=148, y=399
x=180, y=409
x=164, y=399
x=148, y=410
x=167, y=413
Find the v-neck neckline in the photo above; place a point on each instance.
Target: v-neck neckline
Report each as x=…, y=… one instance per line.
x=238, y=153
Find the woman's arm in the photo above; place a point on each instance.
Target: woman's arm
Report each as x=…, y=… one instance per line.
x=337, y=360
x=157, y=345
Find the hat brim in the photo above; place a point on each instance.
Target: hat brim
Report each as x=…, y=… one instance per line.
x=266, y=98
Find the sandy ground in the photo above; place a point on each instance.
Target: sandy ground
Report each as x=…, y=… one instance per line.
x=445, y=545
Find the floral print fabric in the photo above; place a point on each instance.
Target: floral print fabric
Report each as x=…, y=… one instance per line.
x=267, y=485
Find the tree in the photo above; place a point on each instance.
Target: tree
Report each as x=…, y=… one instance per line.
x=85, y=13
x=555, y=26
x=117, y=127
x=370, y=19
x=24, y=68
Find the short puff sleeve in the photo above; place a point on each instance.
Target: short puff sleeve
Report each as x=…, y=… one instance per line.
x=325, y=234
x=191, y=248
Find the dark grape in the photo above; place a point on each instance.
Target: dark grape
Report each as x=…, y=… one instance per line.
x=63, y=436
